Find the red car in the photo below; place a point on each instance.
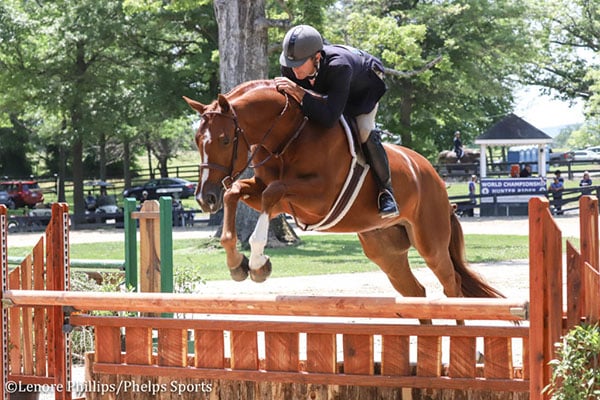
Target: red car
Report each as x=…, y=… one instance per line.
x=23, y=193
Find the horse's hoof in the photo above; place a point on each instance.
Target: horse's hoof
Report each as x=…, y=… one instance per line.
x=240, y=272
x=261, y=274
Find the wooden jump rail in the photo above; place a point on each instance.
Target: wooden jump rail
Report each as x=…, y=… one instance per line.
x=304, y=346
x=321, y=306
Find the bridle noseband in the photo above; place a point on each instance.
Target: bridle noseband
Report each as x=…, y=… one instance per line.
x=238, y=131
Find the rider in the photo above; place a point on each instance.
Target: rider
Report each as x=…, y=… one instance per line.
x=458, y=147
x=350, y=81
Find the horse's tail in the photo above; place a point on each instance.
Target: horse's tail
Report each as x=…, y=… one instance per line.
x=472, y=284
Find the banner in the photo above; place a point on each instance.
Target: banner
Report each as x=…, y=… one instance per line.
x=511, y=190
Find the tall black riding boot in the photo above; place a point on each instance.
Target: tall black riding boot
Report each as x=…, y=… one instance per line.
x=380, y=166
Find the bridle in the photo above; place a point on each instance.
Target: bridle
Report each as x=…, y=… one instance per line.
x=239, y=132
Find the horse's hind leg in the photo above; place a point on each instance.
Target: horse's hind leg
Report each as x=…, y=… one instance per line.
x=388, y=248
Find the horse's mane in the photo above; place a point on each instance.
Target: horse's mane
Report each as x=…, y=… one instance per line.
x=246, y=87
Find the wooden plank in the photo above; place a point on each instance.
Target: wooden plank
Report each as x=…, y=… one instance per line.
x=108, y=344
x=395, y=355
x=39, y=313
x=429, y=356
x=574, y=287
x=209, y=348
x=260, y=323
x=27, y=328
x=149, y=250
x=138, y=346
x=588, y=230
x=321, y=352
x=315, y=378
x=321, y=306
x=553, y=308
x=463, y=357
x=14, y=326
x=358, y=354
x=244, y=350
x=591, y=279
x=172, y=347
x=282, y=351
x=497, y=358
x=526, y=364
x=538, y=213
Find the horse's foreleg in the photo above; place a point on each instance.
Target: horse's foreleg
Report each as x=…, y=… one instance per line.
x=260, y=266
x=236, y=261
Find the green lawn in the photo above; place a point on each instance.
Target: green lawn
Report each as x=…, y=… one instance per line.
x=317, y=254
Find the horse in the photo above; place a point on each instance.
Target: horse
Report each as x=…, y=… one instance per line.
x=469, y=160
x=299, y=168
x=449, y=157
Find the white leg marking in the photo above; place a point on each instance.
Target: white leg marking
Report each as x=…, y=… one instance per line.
x=258, y=241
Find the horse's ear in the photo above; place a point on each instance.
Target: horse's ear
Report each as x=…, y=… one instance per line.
x=196, y=105
x=223, y=103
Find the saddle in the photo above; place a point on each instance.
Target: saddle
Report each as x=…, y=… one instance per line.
x=353, y=183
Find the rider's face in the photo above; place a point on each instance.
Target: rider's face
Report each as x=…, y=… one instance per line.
x=306, y=69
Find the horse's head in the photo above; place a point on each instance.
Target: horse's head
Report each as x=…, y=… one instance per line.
x=252, y=114
x=223, y=151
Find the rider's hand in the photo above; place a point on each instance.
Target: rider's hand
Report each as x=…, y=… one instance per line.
x=287, y=86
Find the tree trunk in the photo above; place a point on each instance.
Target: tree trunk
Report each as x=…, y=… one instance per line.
x=243, y=41
x=149, y=154
x=102, y=155
x=62, y=172
x=406, y=108
x=243, y=52
x=127, y=162
x=78, y=197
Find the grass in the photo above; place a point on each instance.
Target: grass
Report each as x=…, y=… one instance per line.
x=317, y=254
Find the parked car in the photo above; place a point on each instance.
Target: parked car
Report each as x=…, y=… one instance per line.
x=23, y=193
x=585, y=155
x=6, y=200
x=595, y=149
x=155, y=188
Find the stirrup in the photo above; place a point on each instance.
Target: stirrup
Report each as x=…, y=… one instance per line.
x=387, y=205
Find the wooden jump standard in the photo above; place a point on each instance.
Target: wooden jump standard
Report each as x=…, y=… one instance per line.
x=273, y=347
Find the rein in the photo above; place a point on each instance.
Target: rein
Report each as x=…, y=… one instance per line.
x=238, y=131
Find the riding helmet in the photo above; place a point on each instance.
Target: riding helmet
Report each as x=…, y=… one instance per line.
x=300, y=43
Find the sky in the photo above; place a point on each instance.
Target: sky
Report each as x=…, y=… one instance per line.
x=546, y=112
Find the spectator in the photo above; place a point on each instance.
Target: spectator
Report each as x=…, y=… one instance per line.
x=557, y=175
x=525, y=172
x=586, y=182
x=472, y=196
x=90, y=201
x=556, y=188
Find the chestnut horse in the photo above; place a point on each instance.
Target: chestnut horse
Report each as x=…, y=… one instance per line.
x=299, y=168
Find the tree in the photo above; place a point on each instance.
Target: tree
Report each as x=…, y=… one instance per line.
x=569, y=49
x=95, y=76
x=243, y=56
x=483, y=46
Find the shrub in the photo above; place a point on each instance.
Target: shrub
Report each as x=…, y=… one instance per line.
x=575, y=371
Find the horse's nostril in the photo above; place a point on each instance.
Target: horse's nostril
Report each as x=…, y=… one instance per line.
x=211, y=199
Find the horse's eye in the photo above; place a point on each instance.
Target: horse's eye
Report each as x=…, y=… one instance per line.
x=225, y=140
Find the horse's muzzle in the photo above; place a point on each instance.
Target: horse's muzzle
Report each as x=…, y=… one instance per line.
x=210, y=199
